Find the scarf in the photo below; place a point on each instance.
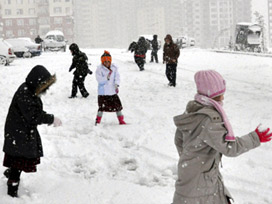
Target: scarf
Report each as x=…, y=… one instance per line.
x=204, y=100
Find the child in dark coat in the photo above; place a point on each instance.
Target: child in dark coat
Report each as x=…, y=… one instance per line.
x=22, y=144
x=80, y=64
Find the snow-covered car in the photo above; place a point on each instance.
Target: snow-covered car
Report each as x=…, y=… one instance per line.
x=54, y=41
x=24, y=47
x=6, y=53
x=184, y=41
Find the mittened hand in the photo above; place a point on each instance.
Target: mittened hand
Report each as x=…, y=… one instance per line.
x=108, y=77
x=57, y=122
x=265, y=135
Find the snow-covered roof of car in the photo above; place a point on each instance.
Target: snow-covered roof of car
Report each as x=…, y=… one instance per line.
x=54, y=32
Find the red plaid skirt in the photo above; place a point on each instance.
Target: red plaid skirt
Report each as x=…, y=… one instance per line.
x=109, y=103
x=21, y=163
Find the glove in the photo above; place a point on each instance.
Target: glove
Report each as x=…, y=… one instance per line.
x=90, y=71
x=57, y=122
x=264, y=136
x=108, y=77
x=116, y=88
x=70, y=69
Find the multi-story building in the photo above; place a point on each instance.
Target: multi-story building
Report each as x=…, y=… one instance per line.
x=113, y=23
x=212, y=22
x=28, y=18
x=270, y=23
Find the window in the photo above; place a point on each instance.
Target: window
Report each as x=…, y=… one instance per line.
x=57, y=20
x=31, y=1
x=8, y=22
x=57, y=1
x=67, y=10
x=67, y=0
x=31, y=11
x=7, y=12
x=33, y=32
x=19, y=11
x=44, y=20
x=69, y=20
x=32, y=21
x=7, y=1
x=21, y=32
x=19, y=1
x=20, y=22
x=57, y=10
x=9, y=33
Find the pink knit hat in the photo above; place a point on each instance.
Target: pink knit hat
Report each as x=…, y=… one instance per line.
x=210, y=83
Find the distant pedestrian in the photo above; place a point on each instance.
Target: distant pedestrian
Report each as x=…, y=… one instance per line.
x=140, y=50
x=22, y=144
x=170, y=57
x=155, y=48
x=39, y=40
x=108, y=79
x=80, y=63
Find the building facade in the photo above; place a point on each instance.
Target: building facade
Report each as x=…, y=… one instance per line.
x=212, y=22
x=113, y=23
x=270, y=23
x=29, y=18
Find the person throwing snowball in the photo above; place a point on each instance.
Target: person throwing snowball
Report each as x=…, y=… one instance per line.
x=203, y=135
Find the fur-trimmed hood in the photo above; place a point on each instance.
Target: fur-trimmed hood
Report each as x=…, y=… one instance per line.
x=39, y=79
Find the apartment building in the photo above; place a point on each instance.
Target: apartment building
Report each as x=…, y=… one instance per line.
x=115, y=23
x=28, y=18
x=270, y=23
x=212, y=22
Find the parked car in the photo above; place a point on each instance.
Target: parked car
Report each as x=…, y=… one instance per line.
x=54, y=41
x=6, y=53
x=24, y=47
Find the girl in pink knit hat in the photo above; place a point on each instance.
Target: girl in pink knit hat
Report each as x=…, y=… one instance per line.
x=203, y=135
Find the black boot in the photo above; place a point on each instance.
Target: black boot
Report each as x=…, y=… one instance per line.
x=13, y=188
x=72, y=96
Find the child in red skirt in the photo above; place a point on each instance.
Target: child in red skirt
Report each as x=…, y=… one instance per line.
x=108, y=79
x=22, y=145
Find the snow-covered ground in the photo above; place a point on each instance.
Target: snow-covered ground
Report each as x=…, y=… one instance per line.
x=136, y=163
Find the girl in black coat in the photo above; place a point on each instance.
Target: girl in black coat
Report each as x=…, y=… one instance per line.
x=22, y=145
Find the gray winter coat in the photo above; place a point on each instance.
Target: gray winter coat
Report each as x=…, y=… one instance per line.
x=200, y=143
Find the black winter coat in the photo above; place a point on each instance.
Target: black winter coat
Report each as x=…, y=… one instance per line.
x=140, y=47
x=155, y=45
x=80, y=63
x=22, y=138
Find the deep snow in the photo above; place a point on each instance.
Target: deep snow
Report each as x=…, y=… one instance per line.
x=136, y=163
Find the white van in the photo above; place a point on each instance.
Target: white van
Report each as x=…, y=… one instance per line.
x=54, y=41
x=6, y=53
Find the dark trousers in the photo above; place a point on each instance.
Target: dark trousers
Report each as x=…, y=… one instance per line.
x=78, y=81
x=14, y=174
x=154, y=55
x=140, y=61
x=171, y=73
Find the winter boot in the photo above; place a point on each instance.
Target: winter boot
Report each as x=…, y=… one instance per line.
x=98, y=120
x=13, y=188
x=7, y=173
x=121, y=120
